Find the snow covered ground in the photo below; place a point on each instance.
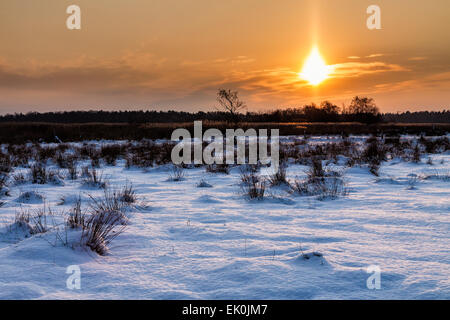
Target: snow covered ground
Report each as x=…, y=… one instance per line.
x=185, y=242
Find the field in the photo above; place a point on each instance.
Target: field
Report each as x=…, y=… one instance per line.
x=20, y=132
x=337, y=206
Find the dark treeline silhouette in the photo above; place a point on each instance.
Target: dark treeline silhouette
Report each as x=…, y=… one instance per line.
x=361, y=109
x=306, y=114
x=418, y=117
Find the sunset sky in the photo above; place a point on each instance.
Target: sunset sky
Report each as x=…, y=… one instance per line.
x=175, y=54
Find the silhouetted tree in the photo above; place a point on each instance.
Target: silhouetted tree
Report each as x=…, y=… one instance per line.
x=331, y=111
x=364, y=109
x=229, y=102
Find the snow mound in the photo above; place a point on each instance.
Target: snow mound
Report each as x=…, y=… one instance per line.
x=30, y=197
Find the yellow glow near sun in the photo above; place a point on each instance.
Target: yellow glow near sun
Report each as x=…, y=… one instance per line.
x=315, y=70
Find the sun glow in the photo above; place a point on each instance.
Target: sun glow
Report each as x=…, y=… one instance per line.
x=315, y=70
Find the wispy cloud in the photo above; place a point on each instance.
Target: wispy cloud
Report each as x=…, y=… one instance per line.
x=417, y=58
x=358, y=69
x=375, y=55
x=143, y=77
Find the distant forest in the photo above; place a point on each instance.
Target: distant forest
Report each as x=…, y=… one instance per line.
x=304, y=114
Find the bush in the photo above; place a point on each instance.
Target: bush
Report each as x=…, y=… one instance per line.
x=30, y=197
x=176, y=173
x=279, y=177
x=218, y=168
x=3, y=181
x=38, y=173
x=54, y=177
x=100, y=229
x=374, y=154
x=128, y=194
x=417, y=154
x=38, y=220
x=35, y=222
x=203, y=184
x=315, y=170
x=72, y=171
x=325, y=184
x=22, y=220
x=19, y=178
x=327, y=188
x=5, y=163
x=110, y=153
x=111, y=202
x=93, y=179
x=77, y=217
x=254, y=188
x=105, y=221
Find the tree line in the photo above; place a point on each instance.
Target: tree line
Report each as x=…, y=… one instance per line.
x=361, y=109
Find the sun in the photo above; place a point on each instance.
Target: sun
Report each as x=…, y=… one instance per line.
x=315, y=70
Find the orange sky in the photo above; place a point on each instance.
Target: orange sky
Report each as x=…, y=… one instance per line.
x=175, y=54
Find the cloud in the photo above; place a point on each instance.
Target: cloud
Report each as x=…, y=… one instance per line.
x=358, y=69
x=142, y=78
x=417, y=58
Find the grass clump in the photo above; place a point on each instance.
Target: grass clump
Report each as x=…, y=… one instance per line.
x=176, y=174
x=253, y=187
x=93, y=179
x=218, y=168
x=279, y=177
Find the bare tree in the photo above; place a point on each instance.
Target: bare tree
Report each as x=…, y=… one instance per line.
x=229, y=102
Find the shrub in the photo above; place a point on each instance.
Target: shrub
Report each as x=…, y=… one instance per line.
x=38, y=173
x=279, y=177
x=250, y=168
x=3, y=181
x=326, y=188
x=5, y=163
x=85, y=172
x=95, y=161
x=316, y=169
x=254, y=188
x=203, y=184
x=112, y=204
x=35, y=222
x=218, y=168
x=72, y=171
x=127, y=194
x=76, y=218
x=100, y=229
x=374, y=153
x=110, y=153
x=22, y=220
x=416, y=154
x=64, y=161
x=332, y=188
x=374, y=168
x=30, y=197
x=442, y=176
x=301, y=187
x=412, y=182
x=54, y=177
x=19, y=178
x=105, y=223
x=38, y=220
x=93, y=179
x=176, y=173
x=325, y=184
